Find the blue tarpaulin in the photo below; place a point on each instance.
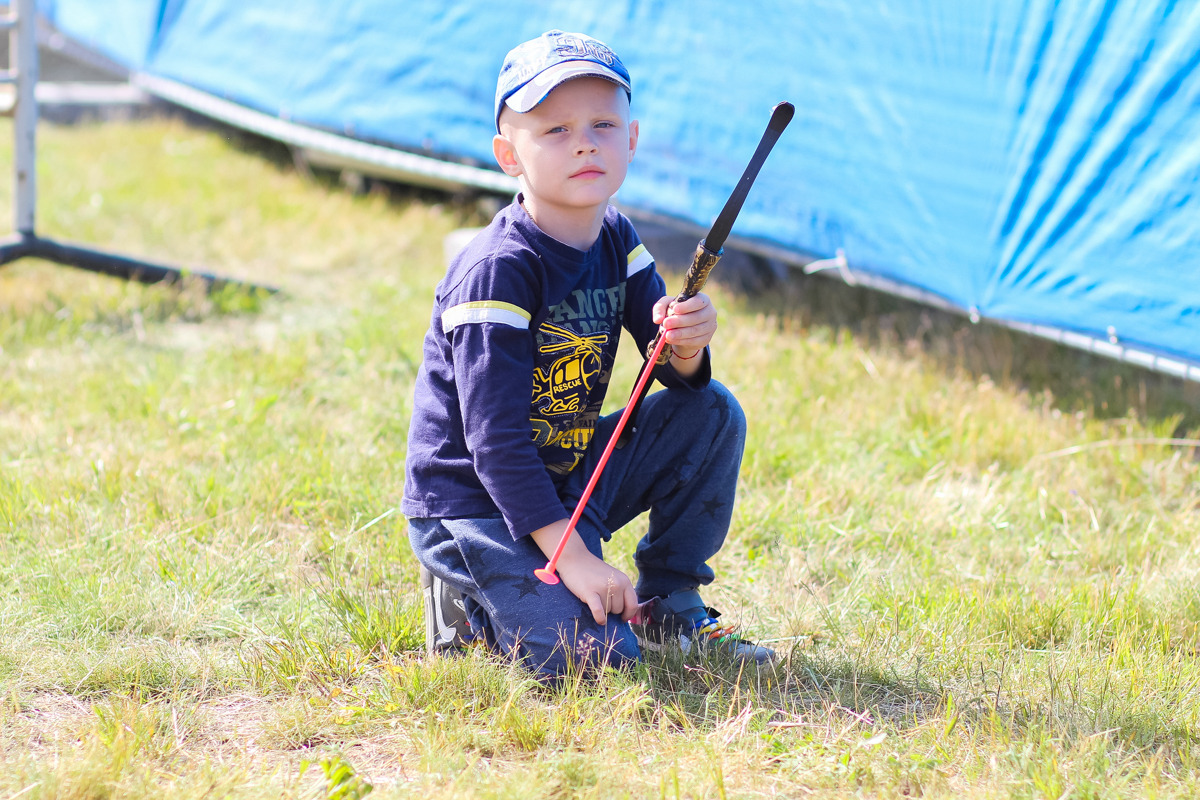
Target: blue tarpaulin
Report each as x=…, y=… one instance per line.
x=1031, y=162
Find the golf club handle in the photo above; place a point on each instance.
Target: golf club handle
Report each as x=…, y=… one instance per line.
x=703, y=261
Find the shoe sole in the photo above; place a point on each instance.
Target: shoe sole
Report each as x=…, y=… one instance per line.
x=446, y=629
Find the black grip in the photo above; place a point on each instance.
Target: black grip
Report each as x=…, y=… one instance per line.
x=703, y=261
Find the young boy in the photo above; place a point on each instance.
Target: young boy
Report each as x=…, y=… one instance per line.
x=506, y=425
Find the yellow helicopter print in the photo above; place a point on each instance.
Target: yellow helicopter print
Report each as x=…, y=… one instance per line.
x=561, y=387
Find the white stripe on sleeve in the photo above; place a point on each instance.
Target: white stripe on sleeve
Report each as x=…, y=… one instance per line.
x=485, y=311
x=639, y=259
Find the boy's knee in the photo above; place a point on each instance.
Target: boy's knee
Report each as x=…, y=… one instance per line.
x=617, y=648
x=726, y=405
x=735, y=408
x=586, y=649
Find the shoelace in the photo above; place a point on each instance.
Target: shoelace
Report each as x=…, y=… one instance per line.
x=715, y=631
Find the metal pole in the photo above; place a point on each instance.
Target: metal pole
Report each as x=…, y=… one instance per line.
x=24, y=62
x=21, y=22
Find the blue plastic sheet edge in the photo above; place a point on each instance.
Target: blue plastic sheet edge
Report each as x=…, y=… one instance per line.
x=1032, y=163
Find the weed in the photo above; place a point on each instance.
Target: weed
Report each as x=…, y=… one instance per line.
x=341, y=781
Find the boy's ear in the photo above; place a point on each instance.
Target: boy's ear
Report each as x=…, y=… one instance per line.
x=633, y=137
x=506, y=155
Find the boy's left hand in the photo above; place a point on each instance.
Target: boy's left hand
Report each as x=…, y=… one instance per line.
x=689, y=325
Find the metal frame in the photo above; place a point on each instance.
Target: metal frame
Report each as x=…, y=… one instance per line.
x=21, y=23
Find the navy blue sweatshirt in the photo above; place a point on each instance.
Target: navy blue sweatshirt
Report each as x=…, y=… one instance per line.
x=516, y=365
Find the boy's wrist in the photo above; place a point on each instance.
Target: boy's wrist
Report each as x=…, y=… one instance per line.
x=548, y=537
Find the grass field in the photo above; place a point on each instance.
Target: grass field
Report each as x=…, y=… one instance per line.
x=979, y=554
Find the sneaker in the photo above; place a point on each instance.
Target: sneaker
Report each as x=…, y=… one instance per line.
x=447, y=628
x=683, y=619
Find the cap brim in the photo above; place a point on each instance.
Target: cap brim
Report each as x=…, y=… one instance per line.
x=528, y=96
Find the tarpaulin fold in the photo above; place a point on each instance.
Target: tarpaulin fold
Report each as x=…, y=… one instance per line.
x=1035, y=162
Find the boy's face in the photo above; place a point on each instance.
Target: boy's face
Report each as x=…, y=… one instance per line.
x=573, y=149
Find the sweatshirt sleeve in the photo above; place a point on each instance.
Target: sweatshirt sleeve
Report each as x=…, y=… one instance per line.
x=486, y=321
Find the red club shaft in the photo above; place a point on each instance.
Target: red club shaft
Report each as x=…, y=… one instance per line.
x=546, y=573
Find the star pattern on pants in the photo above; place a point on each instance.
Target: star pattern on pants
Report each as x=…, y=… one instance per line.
x=476, y=558
x=712, y=506
x=661, y=551
x=527, y=585
x=679, y=473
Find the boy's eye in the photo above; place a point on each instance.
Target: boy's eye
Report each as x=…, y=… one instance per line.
x=605, y=124
x=557, y=129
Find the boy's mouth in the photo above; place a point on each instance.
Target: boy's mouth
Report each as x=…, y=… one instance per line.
x=588, y=172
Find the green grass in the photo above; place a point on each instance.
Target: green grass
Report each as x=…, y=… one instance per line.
x=977, y=552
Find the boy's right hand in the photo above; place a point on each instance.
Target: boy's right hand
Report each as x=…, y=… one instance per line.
x=604, y=588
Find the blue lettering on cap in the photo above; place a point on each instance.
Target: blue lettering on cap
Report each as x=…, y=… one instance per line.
x=575, y=47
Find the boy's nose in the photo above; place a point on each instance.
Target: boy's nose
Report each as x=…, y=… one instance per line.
x=585, y=144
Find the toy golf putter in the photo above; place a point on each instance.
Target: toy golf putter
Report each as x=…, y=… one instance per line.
x=708, y=251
